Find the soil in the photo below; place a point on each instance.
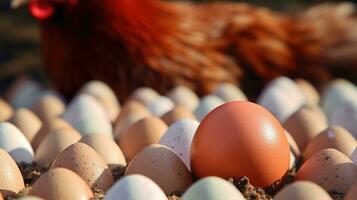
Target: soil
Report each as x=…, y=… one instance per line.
x=31, y=172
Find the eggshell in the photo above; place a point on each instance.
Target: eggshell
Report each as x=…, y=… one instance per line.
x=229, y=92
x=345, y=115
x=10, y=176
x=131, y=112
x=29, y=198
x=337, y=92
x=333, y=137
x=176, y=114
x=282, y=97
x=178, y=138
x=87, y=163
x=160, y=106
x=105, y=95
x=206, y=105
x=212, y=188
x=237, y=139
x=144, y=95
x=292, y=160
x=294, y=148
x=6, y=111
x=27, y=122
x=353, y=156
x=47, y=127
x=141, y=134
x=61, y=184
x=331, y=169
x=49, y=106
x=305, y=124
x=163, y=166
x=15, y=143
x=310, y=93
x=135, y=187
x=301, y=190
x=1, y=197
x=352, y=193
x=54, y=143
x=184, y=97
x=24, y=92
x=106, y=148
x=88, y=116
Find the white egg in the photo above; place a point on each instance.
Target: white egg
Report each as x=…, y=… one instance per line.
x=292, y=160
x=160, y=106
x=183, y=96
x=88, y=116
x=15, y=143
x=206, y=105
x=178, y=138
x=345, y=115
x=282, y=97
x=229, y=92
x=353, y=156
x=135, y=187
x=144, y=95
x=24, y=92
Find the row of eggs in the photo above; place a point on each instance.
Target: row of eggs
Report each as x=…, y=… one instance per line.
x=136, y=128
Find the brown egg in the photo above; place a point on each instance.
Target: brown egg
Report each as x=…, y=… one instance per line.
x=240, y=139
x=54, y=143
x=28, y=123
x=11, y=181
x=48, y=107
x=305, y=124
x=61, y=184
x=334, y=137
x=302, y=190
x=106, y=148
x=87, y=163
x=310, y=93
x=141, y=134
x=176, y=114
x=352, y=193
x=294, y=148
x=6, y=111
x=47, y=127
x=331, y=169
x=131, y=112
x=163, y=166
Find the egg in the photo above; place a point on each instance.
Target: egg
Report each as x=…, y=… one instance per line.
x=15, y=143
x=353, y=156
x=331, y=169
x=88, y=116
x=292, y=160
x=184, y=97
x=141, y=134
x=105, y=95
x=337, y=92
x=6, y=110
x=237, y=139
x=144, y=95
x=24, y=92
x=54, y=143
x=310, y=93
x=87, y=163
x=160, y=106
x=305, y=124
x=61, y=184
x=282, y=97
x=178, y=138
x=131, y=112
x=294, y=148
x=345, y=115
x=176, y=114
x=29, y=198
x=352, y=193
x=135, y=187
x=11, y=181
x=333, y=137
x=212, y=188
x=49, y=106
x=229, y=92
x=206, y=105
x=301, y=190
x=47, y=127
x=28, y=123
x=163, y=166
x=106, y=148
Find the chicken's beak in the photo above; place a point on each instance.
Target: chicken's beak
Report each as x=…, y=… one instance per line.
x=19, y=3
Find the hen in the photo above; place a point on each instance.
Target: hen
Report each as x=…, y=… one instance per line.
x=133, y=43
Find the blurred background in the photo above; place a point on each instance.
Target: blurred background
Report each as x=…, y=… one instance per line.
x=19, y=38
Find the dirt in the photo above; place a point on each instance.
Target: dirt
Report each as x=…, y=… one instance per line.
x=31, y=172
x=118, y=172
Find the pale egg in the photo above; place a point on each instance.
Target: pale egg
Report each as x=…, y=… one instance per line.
x=206, y=105
x=144, y=95
x=301, y=190
x=6, y=110
x=27, y=122
x=185, y=97
x=229, y=92
x=160, y=106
